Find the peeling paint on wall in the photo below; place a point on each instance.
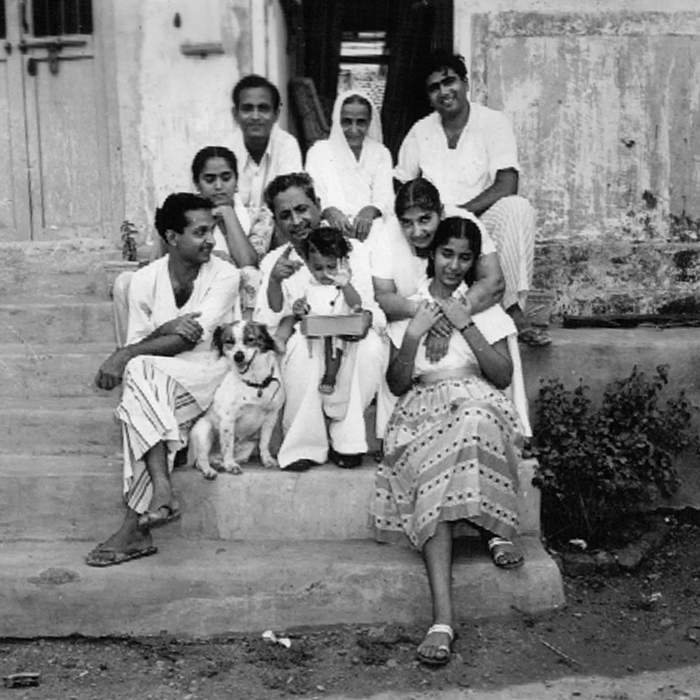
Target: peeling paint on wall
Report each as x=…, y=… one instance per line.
x=605, y=109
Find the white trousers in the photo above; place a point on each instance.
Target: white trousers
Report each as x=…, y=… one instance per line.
x=304, y=421
x=511, y=224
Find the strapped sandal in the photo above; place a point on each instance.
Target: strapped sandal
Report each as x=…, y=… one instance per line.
x=502, y=558
x=444, y=650
x=162, y=515
x=102, y=556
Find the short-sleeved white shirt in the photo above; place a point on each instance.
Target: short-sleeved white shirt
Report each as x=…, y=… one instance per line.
x=486, y=145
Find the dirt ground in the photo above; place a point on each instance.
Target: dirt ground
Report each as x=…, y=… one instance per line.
x=649, y=620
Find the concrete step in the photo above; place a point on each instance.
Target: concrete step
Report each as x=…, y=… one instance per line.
x=38, y=322
x=32, y=372
x=53, y=497
x=55, y=268
x=56, y=426
x=207, y=587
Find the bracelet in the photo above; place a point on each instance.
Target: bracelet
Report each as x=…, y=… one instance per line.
x=465, y=327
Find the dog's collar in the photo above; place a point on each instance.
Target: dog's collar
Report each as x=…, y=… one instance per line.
x=261, y=386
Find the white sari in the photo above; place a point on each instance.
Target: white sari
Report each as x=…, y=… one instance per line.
x=343, y=181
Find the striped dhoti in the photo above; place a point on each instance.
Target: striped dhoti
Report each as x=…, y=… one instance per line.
x=511, y=224
x=154, y=408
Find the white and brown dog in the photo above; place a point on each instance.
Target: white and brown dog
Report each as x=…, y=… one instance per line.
x=246, y=403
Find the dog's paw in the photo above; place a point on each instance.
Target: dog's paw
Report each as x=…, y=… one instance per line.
x=231, y=468
x=269, y=462
x=208, y=473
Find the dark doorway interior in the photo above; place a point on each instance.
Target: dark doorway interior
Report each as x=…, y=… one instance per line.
x=378, y=46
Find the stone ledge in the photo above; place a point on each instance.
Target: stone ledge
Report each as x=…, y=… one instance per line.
x=78, y=497
x=203, y=588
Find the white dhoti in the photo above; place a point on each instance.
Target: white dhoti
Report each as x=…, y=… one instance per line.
x=304, y=419
x=511, y=224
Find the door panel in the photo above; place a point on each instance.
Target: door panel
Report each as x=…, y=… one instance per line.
x=66, y=161
x=57, y=135
x=14, y=184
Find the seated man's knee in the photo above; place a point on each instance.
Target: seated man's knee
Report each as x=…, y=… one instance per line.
x=517, y=205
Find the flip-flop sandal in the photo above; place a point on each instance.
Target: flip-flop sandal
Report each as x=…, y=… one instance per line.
x=112, y=557
x=446, y=649
x=535, y=337
x=501, y=558
x=154, y=518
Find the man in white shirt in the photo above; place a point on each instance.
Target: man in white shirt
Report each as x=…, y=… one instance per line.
x=167, y=367
x=468, y=152
x=263, y=150
x=307, y=440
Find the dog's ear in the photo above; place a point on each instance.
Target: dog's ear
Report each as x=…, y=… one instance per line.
x=217, y=339
x=268, y=342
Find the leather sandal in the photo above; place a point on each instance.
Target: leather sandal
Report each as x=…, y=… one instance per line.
x=444, y=650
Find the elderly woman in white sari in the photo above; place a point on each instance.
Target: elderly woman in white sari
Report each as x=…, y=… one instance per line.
x=167, y=367
x=351, y=169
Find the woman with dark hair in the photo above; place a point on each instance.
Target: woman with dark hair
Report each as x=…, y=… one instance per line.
x=399, y=251
x=452, y=445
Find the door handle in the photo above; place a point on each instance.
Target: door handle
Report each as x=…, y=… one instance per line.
x=51, y=44
x=8, y=48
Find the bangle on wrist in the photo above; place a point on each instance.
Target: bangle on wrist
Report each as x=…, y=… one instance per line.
x=469, y=324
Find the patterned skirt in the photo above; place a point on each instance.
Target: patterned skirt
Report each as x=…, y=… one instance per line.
x=451, y=453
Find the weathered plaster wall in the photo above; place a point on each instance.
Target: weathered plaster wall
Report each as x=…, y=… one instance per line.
x=170, y=105
x=605, y=108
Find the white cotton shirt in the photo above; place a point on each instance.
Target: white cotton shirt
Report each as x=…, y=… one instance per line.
x=392, y=257
x=346, y=182
x=281, y=156
x=152, y=303
x=486, y=145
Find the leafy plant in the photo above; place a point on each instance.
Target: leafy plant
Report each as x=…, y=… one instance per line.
x=129, y=233
x=597, y=466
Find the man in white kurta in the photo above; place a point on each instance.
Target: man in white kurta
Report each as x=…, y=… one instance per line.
x=263, y=150
x=168, y=369
x=307, y=441
x=468, y=151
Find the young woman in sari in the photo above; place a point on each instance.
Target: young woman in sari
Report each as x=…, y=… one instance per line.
x=351, y=170
x=452, y=446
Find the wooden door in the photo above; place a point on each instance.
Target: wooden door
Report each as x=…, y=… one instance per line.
x=58, y=142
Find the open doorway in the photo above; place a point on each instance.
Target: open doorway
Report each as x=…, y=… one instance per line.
x=377, y=46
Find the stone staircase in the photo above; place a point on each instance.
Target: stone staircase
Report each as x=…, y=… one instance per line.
x=262, y=550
